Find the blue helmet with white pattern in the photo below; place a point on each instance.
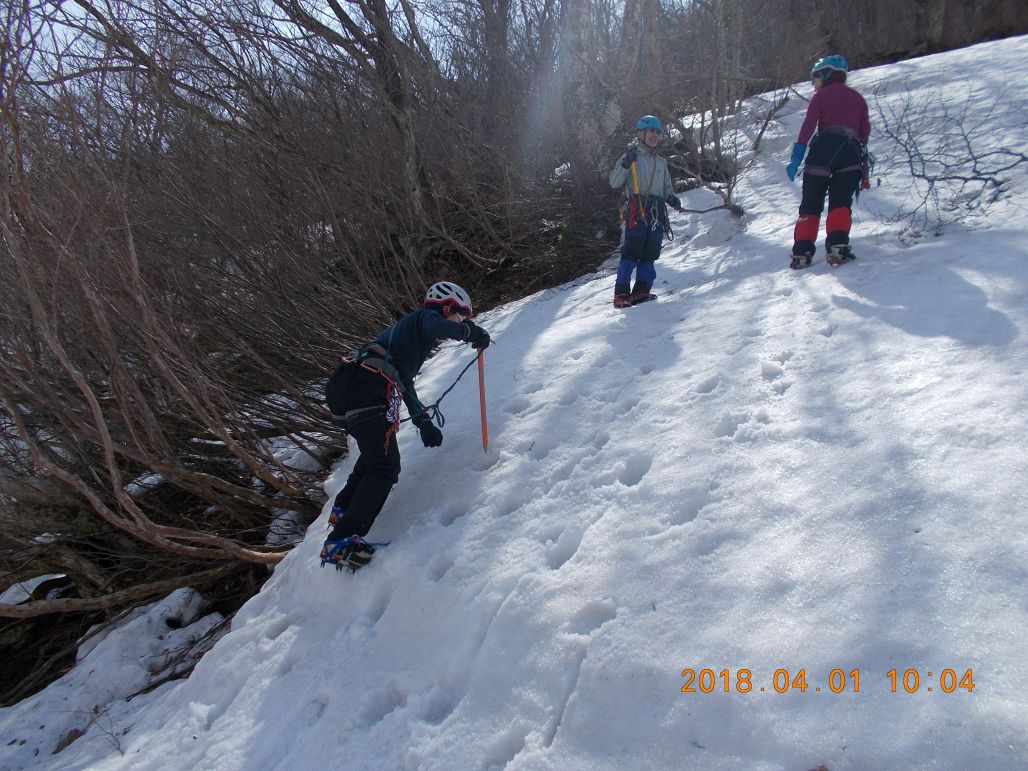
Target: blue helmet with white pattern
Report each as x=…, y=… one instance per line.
x=825, y=67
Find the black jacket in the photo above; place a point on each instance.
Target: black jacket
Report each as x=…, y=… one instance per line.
x=408, y=344
x=410, y=340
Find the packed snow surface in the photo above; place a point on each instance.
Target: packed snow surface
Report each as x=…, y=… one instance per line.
x=799, y=481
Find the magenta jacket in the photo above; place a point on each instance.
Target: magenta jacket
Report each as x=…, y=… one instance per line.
x=836, y=105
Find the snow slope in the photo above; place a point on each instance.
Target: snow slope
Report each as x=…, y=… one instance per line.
x=765, y=470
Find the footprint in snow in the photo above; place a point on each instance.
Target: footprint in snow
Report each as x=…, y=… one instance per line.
x=565, y=547
x=440, y=566
x=691, y=504
x=592, y=617
x=381, y=703
x=707, y=384
x=770, y=371
x=634, y=469
x=729, y=424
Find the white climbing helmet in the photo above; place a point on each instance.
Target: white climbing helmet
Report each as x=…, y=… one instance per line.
x=447, y=293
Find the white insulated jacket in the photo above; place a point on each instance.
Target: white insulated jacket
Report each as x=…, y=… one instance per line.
x=653, y=174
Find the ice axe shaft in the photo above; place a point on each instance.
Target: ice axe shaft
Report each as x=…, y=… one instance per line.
x=638, y=197
x=481, y=400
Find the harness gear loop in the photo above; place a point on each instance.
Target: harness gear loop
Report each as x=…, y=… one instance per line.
x=867, y=168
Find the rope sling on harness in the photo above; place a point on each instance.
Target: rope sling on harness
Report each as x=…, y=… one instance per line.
x=640, y=201
x=374, y=358
x=395, y=390
x=659, y=213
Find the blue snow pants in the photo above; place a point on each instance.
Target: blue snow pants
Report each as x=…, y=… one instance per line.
x=641, y=240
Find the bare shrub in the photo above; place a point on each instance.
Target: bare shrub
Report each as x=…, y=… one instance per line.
x=950, y=154
x=200, y=211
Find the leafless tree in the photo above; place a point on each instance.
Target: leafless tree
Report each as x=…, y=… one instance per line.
x=956, y=166
x=202, y=210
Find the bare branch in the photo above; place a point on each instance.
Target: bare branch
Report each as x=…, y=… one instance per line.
x=113, y=600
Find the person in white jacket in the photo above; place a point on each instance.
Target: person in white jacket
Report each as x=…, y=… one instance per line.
x=645, y=178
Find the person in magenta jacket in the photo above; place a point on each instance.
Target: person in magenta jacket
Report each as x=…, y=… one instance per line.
x=835, y=163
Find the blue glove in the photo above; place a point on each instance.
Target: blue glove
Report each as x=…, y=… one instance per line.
x=798, y=151
x=674, y=202
x=630, y=156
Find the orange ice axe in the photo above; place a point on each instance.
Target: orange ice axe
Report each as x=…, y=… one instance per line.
x=481, y=400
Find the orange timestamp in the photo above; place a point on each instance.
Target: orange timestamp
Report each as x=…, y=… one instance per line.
x=838, y=681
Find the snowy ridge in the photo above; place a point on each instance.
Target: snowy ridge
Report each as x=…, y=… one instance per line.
x=765, y=470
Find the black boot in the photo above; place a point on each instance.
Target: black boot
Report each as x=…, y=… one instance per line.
x=840, y=253
x=352, y=552
x=621, y=296
x=641, y=293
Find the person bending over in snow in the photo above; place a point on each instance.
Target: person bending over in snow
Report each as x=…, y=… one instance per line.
x=648, y=192
x=364, y=396
x=836, y=163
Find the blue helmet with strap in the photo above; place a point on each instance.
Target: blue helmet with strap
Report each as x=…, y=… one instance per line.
x=649, y=122
x=824, y=67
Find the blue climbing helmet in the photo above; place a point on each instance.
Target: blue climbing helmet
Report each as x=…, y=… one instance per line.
x=649, y=122
x=824, y=67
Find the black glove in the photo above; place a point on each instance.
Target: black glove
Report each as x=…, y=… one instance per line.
x=431, y=436
x=477, y=336
x=631, y=154
x=674, y=202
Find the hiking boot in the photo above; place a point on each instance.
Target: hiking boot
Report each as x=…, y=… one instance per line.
x=353, y=553
x=640, y=293
x=622, y=300
x=840, y=253
x=800, y=261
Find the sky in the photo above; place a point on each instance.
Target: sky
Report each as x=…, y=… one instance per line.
x=773, y=520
